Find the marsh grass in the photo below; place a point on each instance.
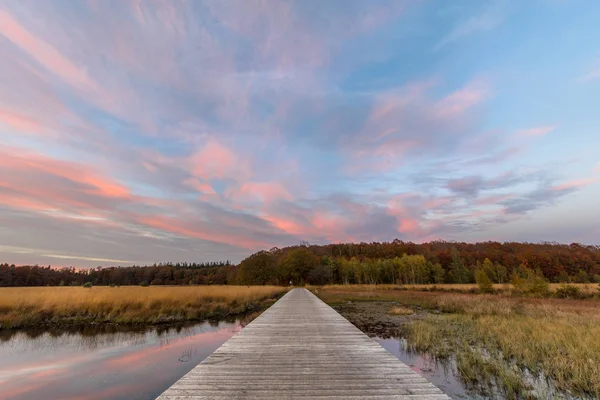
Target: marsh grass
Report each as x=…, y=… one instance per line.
x=497, y=339
x=399, y=310
x=503, y=288
x=32, y=306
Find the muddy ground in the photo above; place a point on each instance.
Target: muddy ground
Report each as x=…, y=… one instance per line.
x=375, y=318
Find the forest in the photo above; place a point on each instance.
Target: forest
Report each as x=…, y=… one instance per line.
x=395, y=262
x=158, y=274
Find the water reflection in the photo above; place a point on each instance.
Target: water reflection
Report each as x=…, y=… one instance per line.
x=107, y=362
x=440, y=374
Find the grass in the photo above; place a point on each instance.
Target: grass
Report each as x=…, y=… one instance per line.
x=399, y=310
x=495, y=338
x=506, y=288
x=34, y=306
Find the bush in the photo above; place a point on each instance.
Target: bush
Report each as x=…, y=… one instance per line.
x=538, y=285
x=144, y=283
x=484, y=282
x=582, y=277
x=87, y=285
x=568, y=292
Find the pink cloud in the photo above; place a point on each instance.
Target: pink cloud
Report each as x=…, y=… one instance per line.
x=592, y=74
x=271, y=29
x=216, y=161
x=405, y=120
x=597, y=169
x=537, y=132
x=262, y=191
x=195, y=229
x=286, y=225
x=31, y=179
x=388, y=103
x=43, y=53
x=437, y=203
x=576, y=183
x=461, y=100
x=203, y=187
x=331, y=226
x=20, y=122
x=408, y=225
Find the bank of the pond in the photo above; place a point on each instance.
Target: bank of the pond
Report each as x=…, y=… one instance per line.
x=496, y=343
x=74, y=306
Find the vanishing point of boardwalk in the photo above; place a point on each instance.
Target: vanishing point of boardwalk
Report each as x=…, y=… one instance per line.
x=301, y=348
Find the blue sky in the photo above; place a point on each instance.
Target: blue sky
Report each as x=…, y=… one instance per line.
x=143, y=131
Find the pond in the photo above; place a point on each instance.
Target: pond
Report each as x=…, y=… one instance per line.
x=112, y=362
x=104, y=363
x=441, y=375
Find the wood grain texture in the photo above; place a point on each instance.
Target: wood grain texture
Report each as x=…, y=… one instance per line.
x=300, y=348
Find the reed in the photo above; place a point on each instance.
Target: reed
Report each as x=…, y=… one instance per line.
x=32, y=306
x=494, y=338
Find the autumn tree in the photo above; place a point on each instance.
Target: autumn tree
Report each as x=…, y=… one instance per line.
x=258, y=269
x=437, y=273
x=458, y=273
x=296, y=265
x=483, y=281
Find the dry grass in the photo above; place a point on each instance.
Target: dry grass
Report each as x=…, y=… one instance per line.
x=20, y=307
x=399, y=310
x=587, y=288
x=494, y=336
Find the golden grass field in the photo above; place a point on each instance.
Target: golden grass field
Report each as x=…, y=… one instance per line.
x=494, y=337
x=464, y=287
x=30, y=306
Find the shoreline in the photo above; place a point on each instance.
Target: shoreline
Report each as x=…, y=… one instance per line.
x=55, y=308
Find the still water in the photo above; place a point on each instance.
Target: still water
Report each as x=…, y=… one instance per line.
x=441, y=375
x=107, y=364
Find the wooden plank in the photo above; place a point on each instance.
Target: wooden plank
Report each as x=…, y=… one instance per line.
x=300, y=348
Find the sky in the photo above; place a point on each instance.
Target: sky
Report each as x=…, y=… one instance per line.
x=139, y=131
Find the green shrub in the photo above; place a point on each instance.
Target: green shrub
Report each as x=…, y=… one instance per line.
x=483, y=281
x=538, y=285
x=568, y=292
x=87, y=285
x=144, y=283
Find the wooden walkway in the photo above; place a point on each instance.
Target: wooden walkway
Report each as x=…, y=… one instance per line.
x=300, y=348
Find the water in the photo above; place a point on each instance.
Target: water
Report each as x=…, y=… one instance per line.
x=100, y=364
x=445, y=376
x=441, y=375
x=114, y=363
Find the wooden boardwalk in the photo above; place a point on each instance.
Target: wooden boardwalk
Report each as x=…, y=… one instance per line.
x=300, y=348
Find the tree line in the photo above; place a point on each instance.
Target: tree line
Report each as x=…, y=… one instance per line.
x=394, y=262
x=157, y=274
x=401, y=262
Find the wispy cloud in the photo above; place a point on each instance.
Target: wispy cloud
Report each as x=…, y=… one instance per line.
x=574, y=184
x=537, y=131
x=494, y=13
x=43, y=53
x=147, y=131
x=593, y=73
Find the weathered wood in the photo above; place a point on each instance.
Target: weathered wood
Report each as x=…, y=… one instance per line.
x=300, y=348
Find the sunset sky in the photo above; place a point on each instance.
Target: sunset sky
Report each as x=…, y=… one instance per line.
x=147, y=131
